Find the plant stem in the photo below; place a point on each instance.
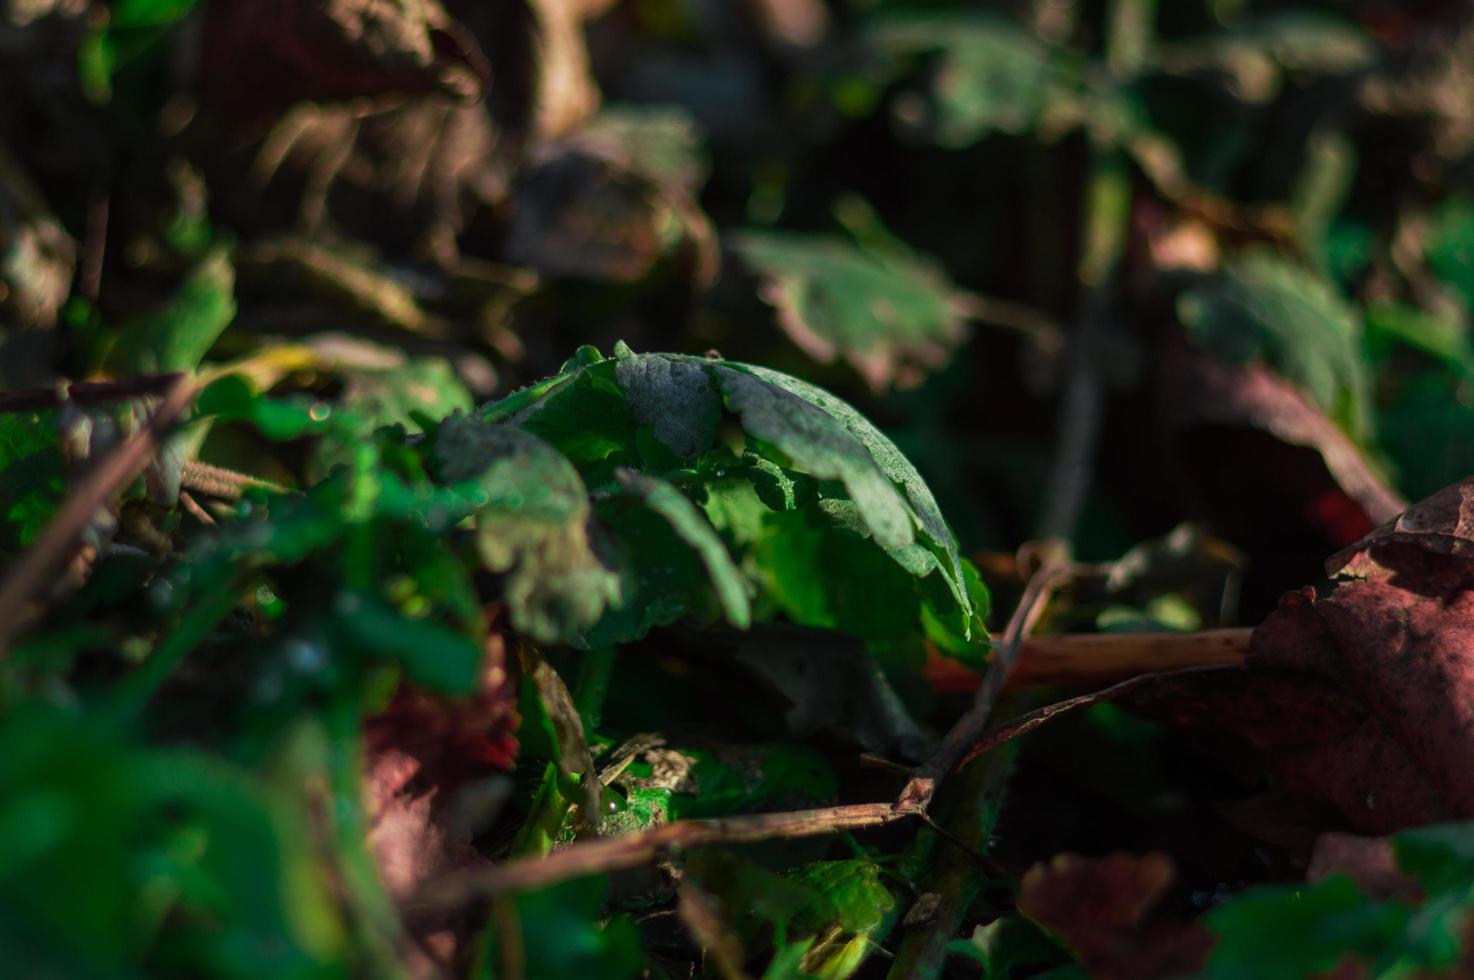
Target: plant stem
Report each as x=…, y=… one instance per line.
x=86, y=393
x=971, y=813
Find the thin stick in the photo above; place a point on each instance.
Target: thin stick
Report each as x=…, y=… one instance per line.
x=918, y=792
x=193, y=507
x=1090, y=658
x=110, y=475
x=85, y=393
x=605, y=854
x=1024, y=724
x=89, y=276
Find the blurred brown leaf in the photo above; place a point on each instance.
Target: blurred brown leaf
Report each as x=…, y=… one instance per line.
x=265, y=56
x=1103, y=909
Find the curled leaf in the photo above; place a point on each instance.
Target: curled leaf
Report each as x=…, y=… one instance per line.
x=532, y=525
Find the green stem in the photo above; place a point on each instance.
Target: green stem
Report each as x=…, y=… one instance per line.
x=968, y=809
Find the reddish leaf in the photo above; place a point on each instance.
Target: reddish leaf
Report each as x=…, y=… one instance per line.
x=1202, y=391
x=267, y=55
x=1103, y=910
x=426, y=758
x=1362, y=701
x=1368, y=861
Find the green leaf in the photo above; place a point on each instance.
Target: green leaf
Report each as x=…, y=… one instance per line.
x=854, y=898
x=1444, y=338
x=1450, y=248
x=1265, y=307
x=177, y=336
x=589, y=419
x=32, y=476
x=873, y=600
x=940, y=551
x=532, y=525
x=1426, y=426
x=1005, y=943
x=1289, y=932
x=692, y=527
x=990, y=75
x=1440, y=857
x=198, y=868
x=861, y=484
x=1258, y=54
x=231, y=399
x=675, y=398
x=432, y=656
x=426, y=387
x=561, y=936
x=890, y=314
x=816, y=443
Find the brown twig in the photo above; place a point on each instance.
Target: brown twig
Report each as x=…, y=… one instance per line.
x=110, y=475
x=919, y=791
x=1099, y=657
x=969, y=820
x=192, y=506
x=89, y=275
x=1024, y=724
x=606, y=854
x=85, y=393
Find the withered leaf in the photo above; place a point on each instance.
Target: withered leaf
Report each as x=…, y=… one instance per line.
x=266, y=56
x=1201, y=390
x=1103, y=910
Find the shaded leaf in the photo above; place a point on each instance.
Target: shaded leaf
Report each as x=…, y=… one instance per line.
x=262, y=58
x=1295, y=931
x=891, y=315
x=832, y=686
x=32, y=476
x=1264, y=308
x=561, y=934
x=1207, y=391
x=177, y=336
x=433, y=656
x=692, y=527
x=1259, y=53
x=1103, y=909
x=990, y=75
x=676, y=398
x=533, y=525
x=1006, y=943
